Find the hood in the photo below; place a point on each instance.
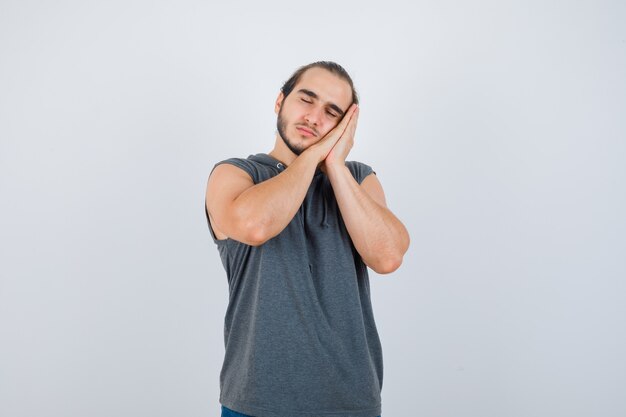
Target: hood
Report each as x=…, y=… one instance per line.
x=266, y=159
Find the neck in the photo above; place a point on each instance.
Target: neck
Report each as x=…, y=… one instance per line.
x=282, y=153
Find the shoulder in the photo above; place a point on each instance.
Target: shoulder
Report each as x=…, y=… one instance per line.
x=259, y=167
x=362, y=174
x=359, y=170
x=246, y=165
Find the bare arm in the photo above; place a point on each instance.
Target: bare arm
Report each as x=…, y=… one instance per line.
x=253, y=214
x=379, y=237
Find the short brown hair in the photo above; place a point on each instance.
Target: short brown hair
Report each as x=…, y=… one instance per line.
x=333, y=67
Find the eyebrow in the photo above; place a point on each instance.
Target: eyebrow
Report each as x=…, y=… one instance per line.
x=315, y=96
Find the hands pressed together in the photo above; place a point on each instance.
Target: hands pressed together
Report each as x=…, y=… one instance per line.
x=333, y=148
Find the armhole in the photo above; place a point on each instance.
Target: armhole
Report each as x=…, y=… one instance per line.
x=359, y=170
x=242, y=164
x=208, y=222
x=372, y=172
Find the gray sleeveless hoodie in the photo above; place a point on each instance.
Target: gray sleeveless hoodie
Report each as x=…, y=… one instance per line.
x=299, y=329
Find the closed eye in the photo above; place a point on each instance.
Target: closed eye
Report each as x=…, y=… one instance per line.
x=328, y=112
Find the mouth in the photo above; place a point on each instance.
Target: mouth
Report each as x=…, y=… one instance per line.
x=305, y=132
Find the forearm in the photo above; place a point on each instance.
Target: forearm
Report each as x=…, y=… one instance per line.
x=269, y=206
x=379, y=237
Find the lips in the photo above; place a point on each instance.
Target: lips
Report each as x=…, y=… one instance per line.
x=305, y=131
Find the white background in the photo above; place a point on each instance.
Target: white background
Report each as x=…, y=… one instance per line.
x=496, y=128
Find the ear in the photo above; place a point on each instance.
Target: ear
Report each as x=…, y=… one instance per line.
x=279, y=102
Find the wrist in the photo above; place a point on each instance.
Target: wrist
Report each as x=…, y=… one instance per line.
x=314, y=152
x=336, y=168
x=312, y=156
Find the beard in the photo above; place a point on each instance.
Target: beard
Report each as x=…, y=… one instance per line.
x=281, y=125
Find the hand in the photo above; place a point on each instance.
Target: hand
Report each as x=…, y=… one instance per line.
x=337, y=155
x=324, y=147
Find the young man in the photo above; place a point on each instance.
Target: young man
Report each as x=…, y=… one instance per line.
x=295, y=229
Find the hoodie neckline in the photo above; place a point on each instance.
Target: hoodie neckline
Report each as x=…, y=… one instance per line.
x=267, y=159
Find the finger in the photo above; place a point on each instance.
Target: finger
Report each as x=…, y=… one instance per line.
x=347, y=120
x=355, y=116
x=335, y=134
x=353, y=121
x=348, y=116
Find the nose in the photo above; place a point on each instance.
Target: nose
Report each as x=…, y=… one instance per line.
x=314, y=116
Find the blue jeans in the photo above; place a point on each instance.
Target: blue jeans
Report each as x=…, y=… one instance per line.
x=227, y=412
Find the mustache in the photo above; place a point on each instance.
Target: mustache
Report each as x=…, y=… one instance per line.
x=306, y=126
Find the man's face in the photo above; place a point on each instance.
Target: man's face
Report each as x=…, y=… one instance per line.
x=314, y=107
